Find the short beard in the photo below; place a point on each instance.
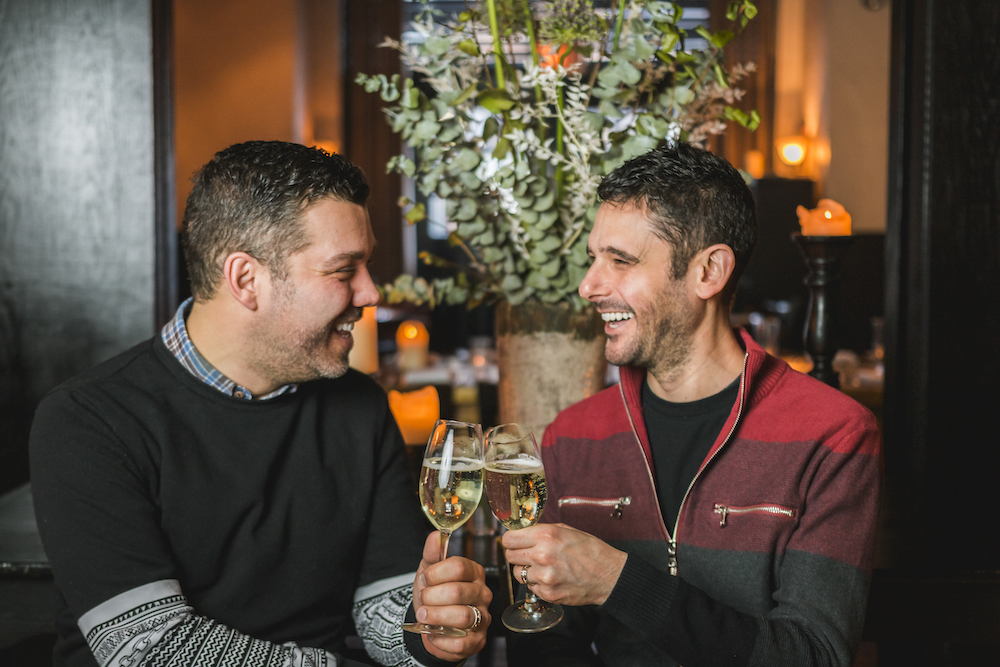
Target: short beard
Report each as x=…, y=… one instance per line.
x=292, y=356
x=660, y=347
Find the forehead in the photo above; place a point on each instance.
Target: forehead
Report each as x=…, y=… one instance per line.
x=624, y=227
x=333, y=226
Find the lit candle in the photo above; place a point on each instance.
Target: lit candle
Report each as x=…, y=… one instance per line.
x=412, y=340
x=415, y=412
x=364, y=354
x=828, y=219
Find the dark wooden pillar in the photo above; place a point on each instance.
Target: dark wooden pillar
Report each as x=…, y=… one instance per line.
x=942, y=445
x=368, y=139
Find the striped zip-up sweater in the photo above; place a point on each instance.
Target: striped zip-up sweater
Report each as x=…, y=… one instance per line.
x=769, y=561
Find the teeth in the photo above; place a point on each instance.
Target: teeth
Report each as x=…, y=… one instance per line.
x=615, y=317
x=347, y=326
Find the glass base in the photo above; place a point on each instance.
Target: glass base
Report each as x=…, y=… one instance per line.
x=437, y=630
x=544, y=616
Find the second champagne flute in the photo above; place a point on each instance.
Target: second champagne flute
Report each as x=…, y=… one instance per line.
x=451, y=485
x=515, y=487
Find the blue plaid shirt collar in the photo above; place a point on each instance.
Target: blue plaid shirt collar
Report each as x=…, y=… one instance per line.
x=175, y=337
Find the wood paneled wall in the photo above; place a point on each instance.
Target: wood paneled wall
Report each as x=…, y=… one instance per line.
x=76, y=197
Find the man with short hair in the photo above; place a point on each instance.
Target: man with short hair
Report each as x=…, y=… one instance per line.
x=229, y=492
x=717, y=507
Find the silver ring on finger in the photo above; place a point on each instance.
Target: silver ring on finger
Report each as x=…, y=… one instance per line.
x=479, y=617
x=524, y=575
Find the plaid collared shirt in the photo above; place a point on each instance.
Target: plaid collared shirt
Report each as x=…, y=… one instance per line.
x=175, y=337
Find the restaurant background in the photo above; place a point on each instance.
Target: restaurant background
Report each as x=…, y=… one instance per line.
x=108, y=106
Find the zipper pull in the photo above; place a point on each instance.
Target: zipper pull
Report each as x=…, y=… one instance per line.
x=672, y=556
x=616, y=513
x=724, y=511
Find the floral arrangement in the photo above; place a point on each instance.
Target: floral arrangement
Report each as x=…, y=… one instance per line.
x=516, y=140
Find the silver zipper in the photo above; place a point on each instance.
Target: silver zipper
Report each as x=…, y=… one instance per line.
x=617, y=504
x=725, y=510
x=649, y=473
x=672, y=540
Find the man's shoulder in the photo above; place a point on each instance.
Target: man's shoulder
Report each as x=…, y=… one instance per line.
x=800, y=404
x=596, y=416
x=130, y=367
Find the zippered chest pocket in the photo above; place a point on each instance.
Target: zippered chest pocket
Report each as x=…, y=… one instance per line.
x=614, y=507
x=728, y=513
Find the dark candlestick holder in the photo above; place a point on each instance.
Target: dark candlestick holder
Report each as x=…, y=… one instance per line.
x=820, y=336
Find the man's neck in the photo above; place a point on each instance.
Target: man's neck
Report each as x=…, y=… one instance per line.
x=215, y=331
x=715, y=360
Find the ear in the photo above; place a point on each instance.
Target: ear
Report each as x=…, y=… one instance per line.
x=243, y=276
x=712, y=268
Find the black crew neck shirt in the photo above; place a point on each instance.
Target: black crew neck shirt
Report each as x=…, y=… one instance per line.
x=680, y=437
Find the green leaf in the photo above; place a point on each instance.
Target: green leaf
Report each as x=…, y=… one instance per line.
x=548, y=244
x=637, y=145
x=426, y=129
x=749, y=9
x=495, y=100
x=490, y=128
x=466, y=160
x=469, y=46
x=470, y=180
x=550, y=268
x=545, y=202
x=464, y=95
x=466, y=211
x=436, y=45
x=503, y=147
x=537, y=281
x=547, y=219
x=492, y=254
x=416, y=214
x=511, y=282
x=720, y=76
x=643, y=49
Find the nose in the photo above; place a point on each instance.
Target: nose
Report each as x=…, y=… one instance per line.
x=365, y=292
x=593, y=287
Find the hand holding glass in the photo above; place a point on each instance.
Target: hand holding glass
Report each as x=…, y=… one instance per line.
x=515, y=487
x=451, y=484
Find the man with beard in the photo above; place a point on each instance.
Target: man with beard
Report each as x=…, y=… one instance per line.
x=229, y=492
x=717, y=507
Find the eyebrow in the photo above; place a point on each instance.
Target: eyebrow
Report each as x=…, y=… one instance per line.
x=617, y=252
x=342, y=257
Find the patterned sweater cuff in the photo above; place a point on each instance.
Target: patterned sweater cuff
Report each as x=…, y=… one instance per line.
x=642, y=597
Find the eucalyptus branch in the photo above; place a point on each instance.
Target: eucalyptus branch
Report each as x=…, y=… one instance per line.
x=497, y=44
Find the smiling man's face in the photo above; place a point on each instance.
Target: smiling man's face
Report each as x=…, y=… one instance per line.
x=305, y=331
x=649, y=317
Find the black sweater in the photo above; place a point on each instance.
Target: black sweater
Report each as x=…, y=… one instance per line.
x=269, y=514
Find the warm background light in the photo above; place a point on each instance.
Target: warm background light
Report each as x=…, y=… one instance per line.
x=412, y=341
x=415, y=412
x=792, y=150
x=364, y=354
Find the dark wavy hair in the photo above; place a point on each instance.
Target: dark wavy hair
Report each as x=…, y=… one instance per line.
x=694, y=199
x=250, y=198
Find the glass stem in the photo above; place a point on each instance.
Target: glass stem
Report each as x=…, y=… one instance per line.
x=530, y=602
x=444, y=536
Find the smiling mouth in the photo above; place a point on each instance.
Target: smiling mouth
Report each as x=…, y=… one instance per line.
x=615, y=319
x=346, y=327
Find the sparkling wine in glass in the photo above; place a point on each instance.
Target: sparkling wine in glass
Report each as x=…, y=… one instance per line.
x=515, y=487
x=451, y=485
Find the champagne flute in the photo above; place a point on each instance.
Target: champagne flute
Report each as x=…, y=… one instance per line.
x=515, y=487
x=451, y=485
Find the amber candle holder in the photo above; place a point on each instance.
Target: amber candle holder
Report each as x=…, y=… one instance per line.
x=820, y=335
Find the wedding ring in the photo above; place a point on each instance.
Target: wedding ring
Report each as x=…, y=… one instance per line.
x=524, y=575
x=479, y=617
